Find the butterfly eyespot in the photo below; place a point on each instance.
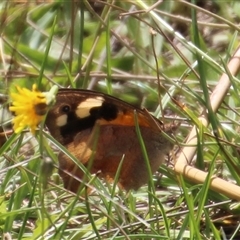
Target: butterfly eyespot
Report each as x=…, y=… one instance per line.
x=65, y=109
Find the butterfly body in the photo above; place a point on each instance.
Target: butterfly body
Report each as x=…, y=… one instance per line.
x=99, y=130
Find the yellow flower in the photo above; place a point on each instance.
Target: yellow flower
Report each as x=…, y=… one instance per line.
x=29, y=108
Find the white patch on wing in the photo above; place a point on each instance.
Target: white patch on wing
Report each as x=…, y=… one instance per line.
x=83, y=109
x=61, y=120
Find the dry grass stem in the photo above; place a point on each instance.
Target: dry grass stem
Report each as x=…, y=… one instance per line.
x=196, y=175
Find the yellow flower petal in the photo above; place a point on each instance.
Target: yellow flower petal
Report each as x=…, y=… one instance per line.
x=29, y=108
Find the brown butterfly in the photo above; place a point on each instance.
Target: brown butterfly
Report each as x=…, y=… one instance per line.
x=97, y=126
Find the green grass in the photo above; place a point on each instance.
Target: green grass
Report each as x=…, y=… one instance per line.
x=168, y=59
